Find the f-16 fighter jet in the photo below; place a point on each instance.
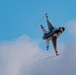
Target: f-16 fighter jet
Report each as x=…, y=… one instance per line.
x=52, y=34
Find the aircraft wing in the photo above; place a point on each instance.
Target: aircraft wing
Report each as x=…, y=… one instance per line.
x=50, y=26
x=55, y=45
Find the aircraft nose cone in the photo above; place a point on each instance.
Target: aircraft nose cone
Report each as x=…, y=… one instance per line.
x=63, y=28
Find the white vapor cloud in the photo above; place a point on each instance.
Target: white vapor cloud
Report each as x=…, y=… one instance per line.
x=20, y=56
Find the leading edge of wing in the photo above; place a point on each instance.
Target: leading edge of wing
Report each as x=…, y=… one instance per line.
x=50, y=26
x=55, y=45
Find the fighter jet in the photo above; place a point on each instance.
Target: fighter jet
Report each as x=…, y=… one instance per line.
x=52, y=34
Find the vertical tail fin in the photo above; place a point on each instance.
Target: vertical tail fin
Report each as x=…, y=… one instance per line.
x=47, y=44
x=43, y=29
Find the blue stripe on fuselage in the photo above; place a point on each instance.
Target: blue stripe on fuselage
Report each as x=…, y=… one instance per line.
x=47, y=35
x=50, y=34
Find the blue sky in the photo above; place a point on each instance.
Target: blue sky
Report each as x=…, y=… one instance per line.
x=17, y=16
x=19, y=49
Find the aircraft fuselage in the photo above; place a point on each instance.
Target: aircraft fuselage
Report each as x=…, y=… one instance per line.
x=54, y=33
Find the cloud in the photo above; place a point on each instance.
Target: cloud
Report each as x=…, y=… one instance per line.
x=20, y=56
x=65, y=64
x=71, y=26
x=16, y=54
